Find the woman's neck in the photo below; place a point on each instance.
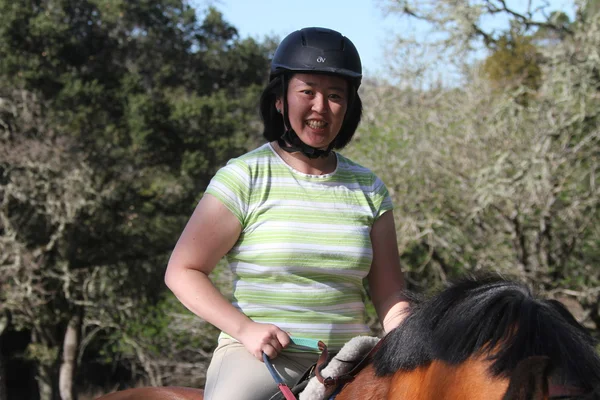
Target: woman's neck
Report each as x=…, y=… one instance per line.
x=310, y=166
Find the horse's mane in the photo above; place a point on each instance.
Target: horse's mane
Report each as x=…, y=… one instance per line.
x=495, y=317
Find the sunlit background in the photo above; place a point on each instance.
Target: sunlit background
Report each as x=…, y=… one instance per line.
x=480, y=116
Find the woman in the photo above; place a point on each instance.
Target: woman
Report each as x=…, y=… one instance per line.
x=299, y=224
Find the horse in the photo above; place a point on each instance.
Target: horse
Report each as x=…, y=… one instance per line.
x=483, y=337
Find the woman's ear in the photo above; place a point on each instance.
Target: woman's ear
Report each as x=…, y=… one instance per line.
x=279, y=104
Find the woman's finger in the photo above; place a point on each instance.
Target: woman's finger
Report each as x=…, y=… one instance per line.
x=277, y=346
x=270, y=351
x=283, y=338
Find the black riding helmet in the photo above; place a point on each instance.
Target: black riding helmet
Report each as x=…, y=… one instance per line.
x=314, y=50
x=318, y=50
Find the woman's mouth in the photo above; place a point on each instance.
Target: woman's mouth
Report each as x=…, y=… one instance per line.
x=314, y=124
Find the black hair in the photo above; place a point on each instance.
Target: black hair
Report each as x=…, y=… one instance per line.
x=273, y=126
x=491, y=315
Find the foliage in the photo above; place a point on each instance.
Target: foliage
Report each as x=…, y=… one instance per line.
x=514, y=63
x=452, y=34
x=482, y=180
x=114, y=115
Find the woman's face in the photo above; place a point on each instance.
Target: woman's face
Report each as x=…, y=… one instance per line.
x=316, y=107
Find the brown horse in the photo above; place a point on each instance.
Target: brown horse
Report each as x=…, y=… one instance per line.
x=487, y=338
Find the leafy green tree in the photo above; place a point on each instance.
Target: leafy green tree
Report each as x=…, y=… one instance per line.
x=113, y=117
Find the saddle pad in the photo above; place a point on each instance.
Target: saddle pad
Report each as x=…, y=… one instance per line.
x=350, y=355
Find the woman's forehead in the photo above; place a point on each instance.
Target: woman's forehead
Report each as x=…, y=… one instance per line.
x=323, y=80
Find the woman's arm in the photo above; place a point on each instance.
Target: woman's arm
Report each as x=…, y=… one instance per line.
x=209, y=234
x=386, y=281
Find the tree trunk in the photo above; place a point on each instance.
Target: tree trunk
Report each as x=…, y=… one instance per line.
x=66, y=377
x=44, y=381
x=45, y=358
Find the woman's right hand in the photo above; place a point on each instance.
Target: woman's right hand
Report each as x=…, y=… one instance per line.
x=263, y=338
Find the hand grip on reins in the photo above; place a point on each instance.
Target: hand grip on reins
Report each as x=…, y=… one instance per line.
x=299, y=342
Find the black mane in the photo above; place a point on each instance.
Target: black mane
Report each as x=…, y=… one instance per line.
x=474, y=316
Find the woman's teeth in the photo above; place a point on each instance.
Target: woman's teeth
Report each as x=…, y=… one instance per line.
x=316, y=124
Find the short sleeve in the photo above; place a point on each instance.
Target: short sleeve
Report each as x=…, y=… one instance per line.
x=231, y=186
x=381, y=197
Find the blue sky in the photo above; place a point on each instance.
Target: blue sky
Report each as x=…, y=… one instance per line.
x=363, y=21
x=360, y=20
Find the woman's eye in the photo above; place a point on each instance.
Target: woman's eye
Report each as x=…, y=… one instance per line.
x=307, y=91
x=336, y=97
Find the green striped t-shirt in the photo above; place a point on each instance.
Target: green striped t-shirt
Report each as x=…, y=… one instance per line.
x=305, y=244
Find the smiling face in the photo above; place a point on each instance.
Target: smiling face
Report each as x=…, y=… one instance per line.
x=316, y=107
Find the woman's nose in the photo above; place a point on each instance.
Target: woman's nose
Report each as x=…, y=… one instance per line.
x=320, y=104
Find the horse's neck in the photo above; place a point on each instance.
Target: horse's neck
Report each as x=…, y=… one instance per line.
x=366, y=386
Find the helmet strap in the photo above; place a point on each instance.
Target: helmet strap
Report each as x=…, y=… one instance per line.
x=289, y=141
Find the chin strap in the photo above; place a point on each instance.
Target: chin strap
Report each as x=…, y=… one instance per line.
x=291, y=143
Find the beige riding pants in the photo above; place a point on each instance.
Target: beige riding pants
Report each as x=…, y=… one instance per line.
x=234, y=373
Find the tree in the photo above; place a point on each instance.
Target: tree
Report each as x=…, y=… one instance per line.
x=482, y=180
x=44, y=190
x=113, y=117
x=457, y=31
x=514, y=63
x=589, y=10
